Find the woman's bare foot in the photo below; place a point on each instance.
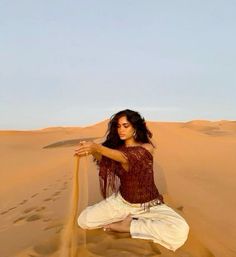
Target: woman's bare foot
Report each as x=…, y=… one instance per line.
x=120, y=226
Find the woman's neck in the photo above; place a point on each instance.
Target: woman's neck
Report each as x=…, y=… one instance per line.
x=130, y=142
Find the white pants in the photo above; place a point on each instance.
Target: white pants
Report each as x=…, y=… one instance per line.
x=161, y=224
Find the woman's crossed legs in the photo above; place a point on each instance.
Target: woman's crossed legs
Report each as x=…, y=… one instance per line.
x=161, y=224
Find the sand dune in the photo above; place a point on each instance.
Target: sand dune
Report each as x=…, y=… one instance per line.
x=194, y=168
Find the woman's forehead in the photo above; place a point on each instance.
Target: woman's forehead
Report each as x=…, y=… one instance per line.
x=123, y=120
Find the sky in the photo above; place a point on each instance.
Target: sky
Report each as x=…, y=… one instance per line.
x=76, y=63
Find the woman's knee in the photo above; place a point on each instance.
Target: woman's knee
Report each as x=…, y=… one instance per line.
x=182, y=231
x=178, y=236
x=180, y=227
x=83, y=219
x=184, y=228
x=90, y=217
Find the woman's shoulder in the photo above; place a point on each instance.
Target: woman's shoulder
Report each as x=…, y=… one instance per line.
x=148, y=147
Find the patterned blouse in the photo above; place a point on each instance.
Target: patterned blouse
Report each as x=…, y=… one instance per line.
x=135, y=185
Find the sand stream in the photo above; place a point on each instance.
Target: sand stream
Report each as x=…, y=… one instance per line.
x=69, y=236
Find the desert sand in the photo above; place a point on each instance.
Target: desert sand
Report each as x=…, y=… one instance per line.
x=195, y=164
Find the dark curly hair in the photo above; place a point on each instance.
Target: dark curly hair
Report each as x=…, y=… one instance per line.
x=143, y=134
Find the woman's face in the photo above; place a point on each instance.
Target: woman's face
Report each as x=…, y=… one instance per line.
x=124, y=128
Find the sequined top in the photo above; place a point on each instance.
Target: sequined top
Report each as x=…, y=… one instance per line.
x=135, y=185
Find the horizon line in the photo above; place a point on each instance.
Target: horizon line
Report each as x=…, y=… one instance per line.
x=94, y=124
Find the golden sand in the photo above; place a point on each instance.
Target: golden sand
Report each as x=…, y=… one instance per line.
x=194, y=167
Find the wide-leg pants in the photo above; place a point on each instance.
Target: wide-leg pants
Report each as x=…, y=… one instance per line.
x=161, y=224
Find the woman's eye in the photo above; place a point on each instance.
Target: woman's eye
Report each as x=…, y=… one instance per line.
x=125, y=126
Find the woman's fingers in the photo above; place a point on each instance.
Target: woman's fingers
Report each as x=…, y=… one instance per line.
x=83, y=142
x=82, y=151
x=81, y=154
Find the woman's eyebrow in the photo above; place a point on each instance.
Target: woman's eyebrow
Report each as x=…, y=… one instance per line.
x=125, y=123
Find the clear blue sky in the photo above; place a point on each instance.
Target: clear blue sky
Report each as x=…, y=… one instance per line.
x=75, y=63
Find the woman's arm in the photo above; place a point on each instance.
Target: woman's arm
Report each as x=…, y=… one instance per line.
x=111, y=153
x=97, y=156
x=97, y=150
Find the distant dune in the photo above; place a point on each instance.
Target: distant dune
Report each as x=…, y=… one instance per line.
x=194, y=167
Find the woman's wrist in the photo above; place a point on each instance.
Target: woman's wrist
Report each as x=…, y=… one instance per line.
x=97, y=148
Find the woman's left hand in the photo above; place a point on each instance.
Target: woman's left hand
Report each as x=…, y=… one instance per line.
x=85, y=148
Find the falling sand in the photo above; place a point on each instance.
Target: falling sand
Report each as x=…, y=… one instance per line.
x=70, y=236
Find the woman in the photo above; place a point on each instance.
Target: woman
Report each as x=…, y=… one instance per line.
x=132, y=201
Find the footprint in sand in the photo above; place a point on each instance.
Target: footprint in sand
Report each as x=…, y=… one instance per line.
x=45, y=189
x=47, y=199
x=4, y=212
x=40, y=208
x=57, y=226
x=29, y=218
x=12, y=208
x=56, y=193
x=32, y=196
x=34, y=217
x=29, y=209
x=23, y=202
x=53, y=197
x=19, y=220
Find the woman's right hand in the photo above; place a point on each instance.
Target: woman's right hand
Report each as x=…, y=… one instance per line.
x=85, y=148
